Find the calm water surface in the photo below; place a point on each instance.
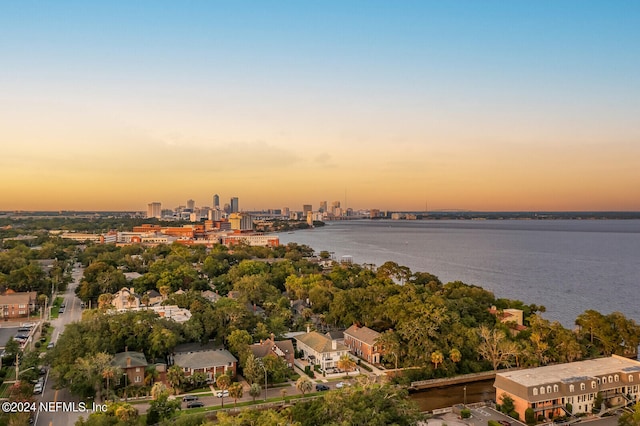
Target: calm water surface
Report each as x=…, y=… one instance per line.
x=567, y=266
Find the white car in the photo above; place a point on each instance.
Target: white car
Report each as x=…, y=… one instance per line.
x=340, y=385
x=224, y=393
x=37, y=389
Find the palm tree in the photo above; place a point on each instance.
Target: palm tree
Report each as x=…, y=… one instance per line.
x=437, y=358
x=223, y=382
x=235, y=392
x=455, y=356
x=130, y=300
x=304, y=385
x=346, y=363
x=255, y=390
x=164, y=291
x=104, y=300
x=175, y=378
x=109, y=372
x=145, y=300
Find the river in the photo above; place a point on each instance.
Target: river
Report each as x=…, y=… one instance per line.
x=568, y=266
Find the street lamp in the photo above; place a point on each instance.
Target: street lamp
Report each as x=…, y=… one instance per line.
x=465, y=396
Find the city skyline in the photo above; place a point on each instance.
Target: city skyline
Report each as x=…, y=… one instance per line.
x=417, y=105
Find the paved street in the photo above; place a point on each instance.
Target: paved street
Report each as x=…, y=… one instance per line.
x=61, y=415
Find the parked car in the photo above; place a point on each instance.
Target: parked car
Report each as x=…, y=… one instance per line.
x=195, y=404
x=187, y=398
x=50, y=345
x=223, y=393
x=340, y=385
x=37, y=389
x=42, y=371
x=321, y=387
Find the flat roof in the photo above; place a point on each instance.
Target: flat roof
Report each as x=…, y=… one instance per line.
x=571, y=371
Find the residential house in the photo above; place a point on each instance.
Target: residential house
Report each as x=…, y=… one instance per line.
x=155, y=298
x=211, y=296
x=126, y=299
x=280, y=348
x=320, y=350
x=571, y=388
x=133, y=365
x=17, y=305
x=361, y=341
x=196, y=358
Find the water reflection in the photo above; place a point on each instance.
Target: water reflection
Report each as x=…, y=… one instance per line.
x=432, y=399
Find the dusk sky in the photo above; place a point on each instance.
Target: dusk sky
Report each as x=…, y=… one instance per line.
x=477, y=105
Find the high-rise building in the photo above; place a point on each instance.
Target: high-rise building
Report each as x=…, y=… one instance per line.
x=216, y=201
x=191, y=205
x=241, y=221
x=234, y=205
x=306, y=208
x=285, y=211
x=154, y=210
x=323, y=207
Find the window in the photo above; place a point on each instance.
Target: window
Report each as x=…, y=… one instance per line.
x=572, y=388
x=616, y=378
x=631, y=377
x=138, y=379
x=548, y=389
x=582, y=386
x=541, y=390
x=535, y=391
x=604, y=380
x=555, y=388
x=593, y=385
x=137, y=369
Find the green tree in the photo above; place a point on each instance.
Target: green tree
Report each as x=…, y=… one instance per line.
x=630, y=417
x=223, y=381
x=346, y=363
x=235, y=392
x=437, y=358
x=175, y=378
x=255, y=390
x=495, y=347
x=161, y=408
x=304, y=385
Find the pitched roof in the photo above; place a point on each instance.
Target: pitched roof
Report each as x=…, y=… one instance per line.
x=204, y=359
x=364, y=334
x=129, y=359
x=319, y=342
x=260, y=350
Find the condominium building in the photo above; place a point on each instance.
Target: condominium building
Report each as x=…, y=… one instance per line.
x=154, y=210
x=571, y=388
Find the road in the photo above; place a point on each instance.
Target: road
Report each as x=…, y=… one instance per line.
x=61, y=415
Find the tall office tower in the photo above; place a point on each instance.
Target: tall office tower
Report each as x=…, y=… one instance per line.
x=154, y=210
x=323, y=207
x=215, y=214
x=191, y=205
x=335, y=208
x=285, y=211
x=227, y=208
x=216, y=201
x=306, y=208
x=234, y=205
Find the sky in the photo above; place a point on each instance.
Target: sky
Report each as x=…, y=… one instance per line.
x=401, y=105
